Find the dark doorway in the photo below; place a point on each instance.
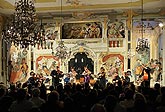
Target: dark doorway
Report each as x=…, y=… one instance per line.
x=79, y=61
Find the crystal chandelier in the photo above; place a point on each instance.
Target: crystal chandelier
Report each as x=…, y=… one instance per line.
x=21, y=30
x=142, y=43
x=61, y=51
x=142, y=46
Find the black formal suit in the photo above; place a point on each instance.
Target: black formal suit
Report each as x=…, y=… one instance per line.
x=56, y=75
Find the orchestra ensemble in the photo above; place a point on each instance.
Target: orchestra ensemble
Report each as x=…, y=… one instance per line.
x=57, y=76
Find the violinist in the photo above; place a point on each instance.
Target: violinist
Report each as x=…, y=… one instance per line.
x=56, y=75
x=32, y=78
x=101, y=77
x=146, y=74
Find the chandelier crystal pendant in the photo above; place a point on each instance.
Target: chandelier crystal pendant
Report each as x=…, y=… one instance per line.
x=39, y=32
x=21, y=30
x=143, y=46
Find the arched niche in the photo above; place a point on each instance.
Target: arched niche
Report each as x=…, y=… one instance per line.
x=82, y=55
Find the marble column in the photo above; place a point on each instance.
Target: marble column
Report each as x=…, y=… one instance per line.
x=163, y=52
x=1, y=21
x=2, y=71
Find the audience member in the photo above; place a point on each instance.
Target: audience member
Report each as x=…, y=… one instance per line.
x=21, y=104
x=36, y=97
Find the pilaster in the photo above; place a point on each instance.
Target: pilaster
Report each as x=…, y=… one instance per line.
x=163, y=52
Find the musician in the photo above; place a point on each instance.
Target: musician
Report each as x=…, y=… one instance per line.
x=32, y=78
x=86, y=74
x=56, y=75
x=125, y=78
x=116, y=77
x=138, y=70
x=73, y=74
x=101, y=77
x=67, y=78
x=40, y=78
x=146, y=74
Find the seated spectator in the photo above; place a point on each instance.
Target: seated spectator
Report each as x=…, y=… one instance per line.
x=111, y=104
x=5, y=100
x=159, y=97
x=36, y=97
x=98, y=108
x=21, y=104
x=52, y=104
x=128, y=101
x=140, y=103
x=69, y=105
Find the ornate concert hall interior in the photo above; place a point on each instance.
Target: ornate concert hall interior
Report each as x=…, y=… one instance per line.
x=118, y=35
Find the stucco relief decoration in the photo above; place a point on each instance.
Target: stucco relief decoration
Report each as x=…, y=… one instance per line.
x=82, y=30
x=51, y=32
x=45, y=64
x=116, y=30
x=82, y=47
x=82, y=15
x=114, y=63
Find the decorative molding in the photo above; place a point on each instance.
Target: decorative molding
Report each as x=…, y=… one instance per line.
x=82, y=15
x=75, y=41
x=82, y=47
x=130, y=14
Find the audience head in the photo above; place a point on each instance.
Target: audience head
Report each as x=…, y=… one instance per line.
x=68, y=104
x=51, y=88
x=36, y=92
x=139, y=102
x=157, y=86
x=162, y=90
x=53, y=96
x=97, y=108
x=139, y=96
x=2, y=90
x=110, y=103
x=21, y=94
x=129, y=94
